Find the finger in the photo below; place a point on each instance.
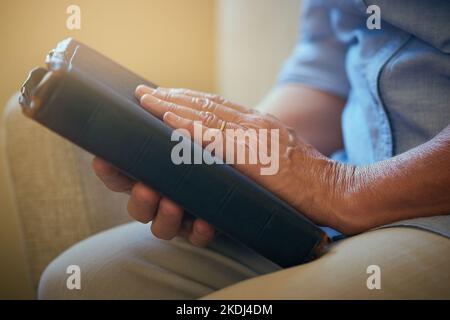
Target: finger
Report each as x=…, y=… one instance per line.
x=158, y=107
x=219, y=149
x=143, y=89
x=208, y=119
x=198, y=103
x=167, y=221
x=213, y=97
x=143, y=203
x=202, y=233
x=112, y=177
x=177, y=122
x=224, y=139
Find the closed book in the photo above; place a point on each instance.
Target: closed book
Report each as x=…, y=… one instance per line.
x=89, y=99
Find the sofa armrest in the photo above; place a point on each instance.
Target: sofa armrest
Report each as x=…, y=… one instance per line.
x=57, y=197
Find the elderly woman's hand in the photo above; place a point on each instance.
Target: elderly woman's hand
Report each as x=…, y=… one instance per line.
x=274, y=157
x=299, y=174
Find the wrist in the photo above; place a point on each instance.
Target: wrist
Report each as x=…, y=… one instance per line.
x=325, y=188
x=337, y=195
x=355, y=200
x=343, y=188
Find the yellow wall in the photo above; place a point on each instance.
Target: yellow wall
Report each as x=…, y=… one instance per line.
x=254, y=38
x=170, y=42
x=167, y=41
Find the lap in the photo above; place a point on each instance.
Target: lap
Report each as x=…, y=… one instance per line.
x=128, y=262
x=413, y=264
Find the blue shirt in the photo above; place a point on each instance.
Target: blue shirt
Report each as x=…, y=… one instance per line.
x=396, y=79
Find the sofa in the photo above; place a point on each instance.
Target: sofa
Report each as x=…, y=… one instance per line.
x=55, y=196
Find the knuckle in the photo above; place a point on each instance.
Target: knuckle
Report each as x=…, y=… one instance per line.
x=215, y=97
x=209, y=105
x=180, y=90
x=173, y=107
x=203, y=103
x=171, y=94
x=161, y=93
x=208, y=118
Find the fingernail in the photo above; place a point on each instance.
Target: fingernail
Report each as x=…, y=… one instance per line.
x=143, y=89
x=169, y=116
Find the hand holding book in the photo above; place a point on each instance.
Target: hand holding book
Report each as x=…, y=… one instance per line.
x=91, y=101
x=301, y=176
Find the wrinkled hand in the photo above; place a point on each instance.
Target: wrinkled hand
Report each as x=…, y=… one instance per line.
x=304, y=177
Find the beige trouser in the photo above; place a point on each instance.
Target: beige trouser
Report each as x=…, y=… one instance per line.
x=127, y=262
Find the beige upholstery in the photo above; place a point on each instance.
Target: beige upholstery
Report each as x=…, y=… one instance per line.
x=58, y=199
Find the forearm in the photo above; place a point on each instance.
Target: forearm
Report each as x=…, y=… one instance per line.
x=410, y=185
x=355, y=199
x=316, y=115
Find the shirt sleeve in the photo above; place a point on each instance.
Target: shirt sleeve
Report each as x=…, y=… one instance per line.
x=318, y=59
